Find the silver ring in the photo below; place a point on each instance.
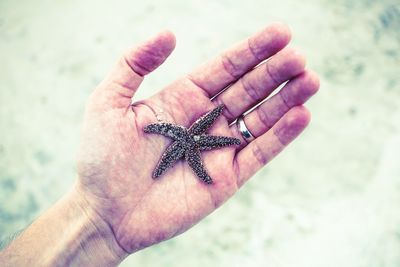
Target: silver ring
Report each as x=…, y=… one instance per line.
x=243, y=129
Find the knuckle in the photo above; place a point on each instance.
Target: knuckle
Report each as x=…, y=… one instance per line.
x=229, y=66
x=259, y=154
x=250, y=89
x=263, y=117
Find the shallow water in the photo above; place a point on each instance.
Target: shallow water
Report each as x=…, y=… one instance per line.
x=330, y=200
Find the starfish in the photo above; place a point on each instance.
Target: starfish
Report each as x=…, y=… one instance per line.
x=188, y=143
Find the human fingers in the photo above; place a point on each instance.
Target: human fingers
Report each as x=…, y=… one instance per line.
x=125, y=78
x=229, y=66
x=260, y=82
x=264, y=148
x=296, y=92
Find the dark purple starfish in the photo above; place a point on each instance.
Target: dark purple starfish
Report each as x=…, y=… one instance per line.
x=189, y=142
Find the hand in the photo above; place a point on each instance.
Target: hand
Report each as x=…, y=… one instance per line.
x=117, y=158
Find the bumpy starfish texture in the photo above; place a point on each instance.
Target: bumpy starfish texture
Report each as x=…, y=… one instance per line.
x=188, y=143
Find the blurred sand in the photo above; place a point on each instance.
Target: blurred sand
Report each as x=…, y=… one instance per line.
x=332, y=199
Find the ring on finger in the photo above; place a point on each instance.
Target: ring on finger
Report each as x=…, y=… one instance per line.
x=244, y=131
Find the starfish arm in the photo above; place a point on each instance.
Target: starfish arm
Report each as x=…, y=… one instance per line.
x=172, y=154
x=170, y=130
x=208, y=142
x=201, y=125
x=195, y=162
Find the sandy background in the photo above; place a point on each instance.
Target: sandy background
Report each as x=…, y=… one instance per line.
x=332, y=199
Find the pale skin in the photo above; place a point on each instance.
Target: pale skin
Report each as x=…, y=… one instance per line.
x=115, y=208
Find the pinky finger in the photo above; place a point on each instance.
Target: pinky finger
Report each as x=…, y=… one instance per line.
x=264, y=148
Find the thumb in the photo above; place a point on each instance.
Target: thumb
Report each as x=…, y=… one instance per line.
x=124, y=79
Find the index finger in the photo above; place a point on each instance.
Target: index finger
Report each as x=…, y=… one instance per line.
x=229, y=66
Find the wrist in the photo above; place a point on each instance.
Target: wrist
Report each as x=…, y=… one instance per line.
x=68, y=234
x=86, y=239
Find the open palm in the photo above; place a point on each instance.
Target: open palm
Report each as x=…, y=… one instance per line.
x=117, y=158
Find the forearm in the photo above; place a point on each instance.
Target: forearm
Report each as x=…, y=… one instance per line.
x=65, y=235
